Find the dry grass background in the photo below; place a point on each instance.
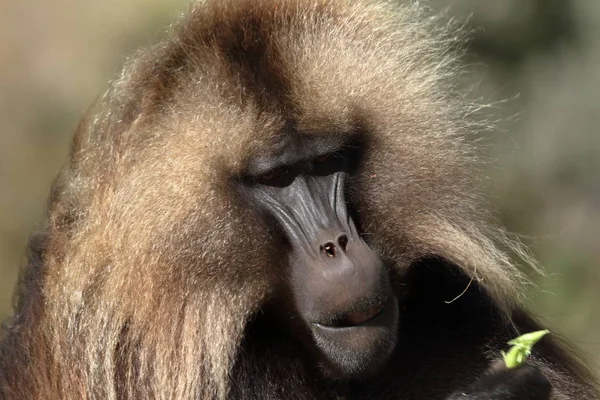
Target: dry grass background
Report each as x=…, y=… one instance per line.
x=56, y=57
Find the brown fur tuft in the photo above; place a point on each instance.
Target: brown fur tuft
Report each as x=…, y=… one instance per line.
x=150, y=267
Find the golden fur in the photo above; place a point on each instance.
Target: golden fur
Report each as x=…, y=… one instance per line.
x=149, y=267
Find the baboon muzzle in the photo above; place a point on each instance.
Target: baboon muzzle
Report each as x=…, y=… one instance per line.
x=343, y=280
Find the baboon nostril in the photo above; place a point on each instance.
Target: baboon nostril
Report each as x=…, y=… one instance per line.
x=343, y=241
x=329, y=249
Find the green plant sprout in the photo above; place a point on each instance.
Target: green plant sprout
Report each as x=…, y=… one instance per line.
x=521, y=348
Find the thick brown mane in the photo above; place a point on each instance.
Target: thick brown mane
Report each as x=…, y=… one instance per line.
x=150, y=268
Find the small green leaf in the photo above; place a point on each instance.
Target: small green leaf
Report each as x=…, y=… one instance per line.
x=521, y=348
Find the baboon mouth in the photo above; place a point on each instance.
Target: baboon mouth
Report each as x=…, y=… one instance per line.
x=354, y=318
x=359, y=341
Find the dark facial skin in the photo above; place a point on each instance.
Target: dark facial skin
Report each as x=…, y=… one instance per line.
x=340, y=286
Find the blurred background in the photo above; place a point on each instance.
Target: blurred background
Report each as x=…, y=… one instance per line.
x=537, y=62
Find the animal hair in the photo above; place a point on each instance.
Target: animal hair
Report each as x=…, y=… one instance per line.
x=150, y=267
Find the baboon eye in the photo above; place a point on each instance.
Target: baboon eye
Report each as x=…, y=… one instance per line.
x=280, y=176
x=328, y=163
x=322, y=158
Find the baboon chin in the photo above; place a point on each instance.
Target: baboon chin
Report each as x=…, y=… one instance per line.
x=277, y=201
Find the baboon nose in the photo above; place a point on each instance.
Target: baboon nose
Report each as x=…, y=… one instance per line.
x=331, y=249
x=342, y=241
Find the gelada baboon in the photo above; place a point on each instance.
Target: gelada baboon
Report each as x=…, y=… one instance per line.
x=275, y=202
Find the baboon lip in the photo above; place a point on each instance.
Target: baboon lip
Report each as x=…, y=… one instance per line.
x=360, y=317
x=354, y=318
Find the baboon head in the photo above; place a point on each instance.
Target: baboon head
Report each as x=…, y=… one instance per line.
x=269, y=160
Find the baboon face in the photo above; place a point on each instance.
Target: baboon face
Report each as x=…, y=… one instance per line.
x=339, y=285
